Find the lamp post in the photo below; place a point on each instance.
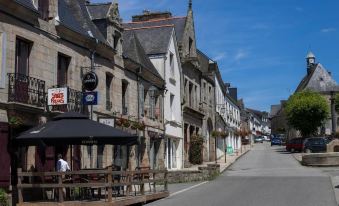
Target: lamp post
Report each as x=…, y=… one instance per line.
x=223, y=109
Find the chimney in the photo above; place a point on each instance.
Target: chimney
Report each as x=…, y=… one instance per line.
x=53, y=9
x=329, y=73
x=233, y=93
x=148, y=15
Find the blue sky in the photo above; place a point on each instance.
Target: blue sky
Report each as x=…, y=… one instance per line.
x=260, y=45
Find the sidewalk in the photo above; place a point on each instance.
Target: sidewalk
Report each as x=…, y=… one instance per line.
x=230, y=159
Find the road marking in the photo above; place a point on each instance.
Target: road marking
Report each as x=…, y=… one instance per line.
x=189, y=188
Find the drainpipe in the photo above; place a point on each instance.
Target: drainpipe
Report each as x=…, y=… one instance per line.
x=163, y=118
x=138, y=91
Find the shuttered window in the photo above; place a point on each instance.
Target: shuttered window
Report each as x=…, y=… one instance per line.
x=63, y=64
x=22, y=52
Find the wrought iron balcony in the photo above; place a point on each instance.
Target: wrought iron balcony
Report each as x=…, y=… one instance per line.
x=74, y=104
x=25, y=89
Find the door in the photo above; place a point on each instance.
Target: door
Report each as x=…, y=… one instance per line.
x=169, y=153
x=4, y=156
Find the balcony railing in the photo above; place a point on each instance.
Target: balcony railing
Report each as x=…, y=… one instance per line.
x=74, y=102
x=26, y=90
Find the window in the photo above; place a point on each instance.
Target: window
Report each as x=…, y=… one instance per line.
x=190, y=44
x=172, y=64
x=22, y=52
x=116, y=39
x=190, y=96
x=204, y=92
x=141, y=100
x=210, y=95
x=63, y=63
x=43, y=9
x=100, y=156
x=172, y=107
x=109, y=78
x=152, y=103
x=124, y=92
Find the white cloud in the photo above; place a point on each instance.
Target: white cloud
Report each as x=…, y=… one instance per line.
x=327, y=30
x=241, y=54
x=220, y=56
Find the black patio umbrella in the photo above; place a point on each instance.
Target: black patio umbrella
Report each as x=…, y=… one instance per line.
x=75, y=129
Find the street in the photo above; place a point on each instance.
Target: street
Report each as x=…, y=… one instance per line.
x=264, y=176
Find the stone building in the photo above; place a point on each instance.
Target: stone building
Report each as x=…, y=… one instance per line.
x=143, y=87
x=320, y=80
x=317, y=79
x=160, y=45
x=207, y=103
x=48, y=44
x=193, y=114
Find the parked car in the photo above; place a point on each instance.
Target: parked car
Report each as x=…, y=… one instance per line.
x=294, y=145
x=258, y=139
x=276, y=141
x=266, y=138
x=315, y=144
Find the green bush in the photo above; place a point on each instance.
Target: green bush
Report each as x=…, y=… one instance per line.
x=3, y=198
x=196, y=147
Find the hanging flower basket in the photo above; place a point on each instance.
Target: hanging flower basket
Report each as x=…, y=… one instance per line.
x=118, y=122
x=215, y=133
x=142, y=126
x=135, y=125
x=126, y=123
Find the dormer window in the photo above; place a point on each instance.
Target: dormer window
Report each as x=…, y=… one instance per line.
x=43, y=8
x=116, y=40
x=190, y=45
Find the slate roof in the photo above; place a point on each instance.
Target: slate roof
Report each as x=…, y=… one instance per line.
x=98, y=11
x=306, y=79
x=77, y=10
x=133, y=50
x=68, y=20
x=318, y=79
x=28, y=4
x=178, y=22
x=154, y=40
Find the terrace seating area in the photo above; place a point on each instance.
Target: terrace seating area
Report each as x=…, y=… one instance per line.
x=108, y=186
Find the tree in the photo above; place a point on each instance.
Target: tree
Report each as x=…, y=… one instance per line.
x=306, y=111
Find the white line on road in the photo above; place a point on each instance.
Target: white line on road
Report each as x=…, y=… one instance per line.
x=186, y=189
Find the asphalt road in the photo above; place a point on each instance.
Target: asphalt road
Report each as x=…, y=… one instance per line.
x=265, y=176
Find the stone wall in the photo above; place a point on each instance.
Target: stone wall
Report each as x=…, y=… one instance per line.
x=203, y=173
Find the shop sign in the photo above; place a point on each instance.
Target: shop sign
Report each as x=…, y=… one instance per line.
x=90, y=98
x=57, y=96
x=90, y=81
x=107, y=121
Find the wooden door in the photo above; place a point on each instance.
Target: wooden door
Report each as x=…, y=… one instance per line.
x=4, y=156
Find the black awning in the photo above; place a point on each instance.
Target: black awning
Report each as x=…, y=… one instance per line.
x=75, y=129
